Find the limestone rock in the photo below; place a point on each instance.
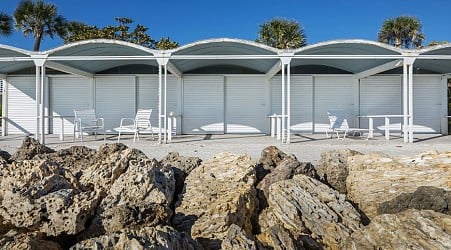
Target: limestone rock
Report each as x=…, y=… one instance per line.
x=40, y=195
x=410, y=229
x=270, y=157
x=424, y=198
x=286, y=169
x=376, y=178
x=182, y=166
x=29, y=148
x=303, y=205
x=138, y=197
x=333, y=167
x=29, y=241
x=219, y=193
x=237, y=240
x=159, y=237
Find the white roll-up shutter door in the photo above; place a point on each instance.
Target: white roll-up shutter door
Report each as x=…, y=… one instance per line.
x=203, y=104
x=21, y=105
x=332, y=92
x=381, y=95
x=427, y=104
x=67, y=94
x=245, y=110
x=115, y=99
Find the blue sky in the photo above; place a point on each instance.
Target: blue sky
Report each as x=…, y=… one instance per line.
x=187, y=21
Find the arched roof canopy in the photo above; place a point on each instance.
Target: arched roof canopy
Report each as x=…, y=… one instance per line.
x=97, y=55
x=350, y=55
x=224, y=51
x=435, y=58
x=13, y=59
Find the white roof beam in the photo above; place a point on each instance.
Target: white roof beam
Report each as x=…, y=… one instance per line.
x=379, y=69
x=174, y=70
x=274, y=70
x=68, y=69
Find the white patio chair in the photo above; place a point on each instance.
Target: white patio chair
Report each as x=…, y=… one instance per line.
x=339, y=124
x=87, y=121
x=135, y=125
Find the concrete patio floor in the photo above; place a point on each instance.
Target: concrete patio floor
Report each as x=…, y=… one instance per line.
x=306, y=147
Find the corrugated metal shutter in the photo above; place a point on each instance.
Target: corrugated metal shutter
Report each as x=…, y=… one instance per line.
x=115, y=99
x=331, y=92
x=203, y=104
x=67, y=94
x=301, y=102
x=426, y=104
x=246, y=109
x=147, y=96
x=21, y=105
x=381, y=95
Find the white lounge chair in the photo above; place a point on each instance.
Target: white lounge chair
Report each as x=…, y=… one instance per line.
x=135, y=125
x=339, y=124
x=87, y=121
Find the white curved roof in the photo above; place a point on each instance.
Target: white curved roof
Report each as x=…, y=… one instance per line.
x=101, y=54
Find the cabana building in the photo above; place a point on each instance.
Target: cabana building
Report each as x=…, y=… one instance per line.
x=226, y=86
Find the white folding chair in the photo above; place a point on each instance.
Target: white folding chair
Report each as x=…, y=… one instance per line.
x=140, y=123
x=87, y=121
x=339, y=124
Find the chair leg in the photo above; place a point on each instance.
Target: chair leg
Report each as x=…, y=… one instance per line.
x=81, y=135
x=119, y=137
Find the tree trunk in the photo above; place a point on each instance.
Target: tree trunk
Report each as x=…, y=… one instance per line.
x=37, y=42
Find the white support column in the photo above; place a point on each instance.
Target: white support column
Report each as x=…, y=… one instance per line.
x=38, y=99
x=288, y=103
x=405, y=109
x=42, y=106
x=165, y=104
x=5, y=107
x=444, y=101
x=410, y=103
x=159, y=102
x=283, y=103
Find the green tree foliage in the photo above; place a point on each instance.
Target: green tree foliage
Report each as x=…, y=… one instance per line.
x=39, y=19
x=282, y=34
x=77, y=31
x=401, y=32
x=6, y=24
x=166, y=43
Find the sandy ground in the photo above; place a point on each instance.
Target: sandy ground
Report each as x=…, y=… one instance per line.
x=305, y=147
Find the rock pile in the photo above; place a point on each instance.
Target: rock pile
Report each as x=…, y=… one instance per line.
x=118, y=198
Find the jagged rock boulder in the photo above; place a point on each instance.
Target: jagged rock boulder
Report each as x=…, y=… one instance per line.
x=140, y=196
x=286, y=169
x=33, y=241
x=29, y=148
x=219, y=193
x=42, y=196
x=410, y=229
x=424, y=198
x=76, y=158
x=238, y=240
x=4, y=157
x=376, y=178
x=159, y=237
x=332, y=167
x=182, y=166
x=270, y=157
x=305, y=206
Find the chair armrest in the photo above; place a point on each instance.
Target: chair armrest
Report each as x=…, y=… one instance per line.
x=127, y=119
x=101, y=121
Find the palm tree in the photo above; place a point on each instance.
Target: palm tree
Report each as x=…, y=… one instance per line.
x=402, y=32
x=39, y=19
x=282, y=34
x=6, y=24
